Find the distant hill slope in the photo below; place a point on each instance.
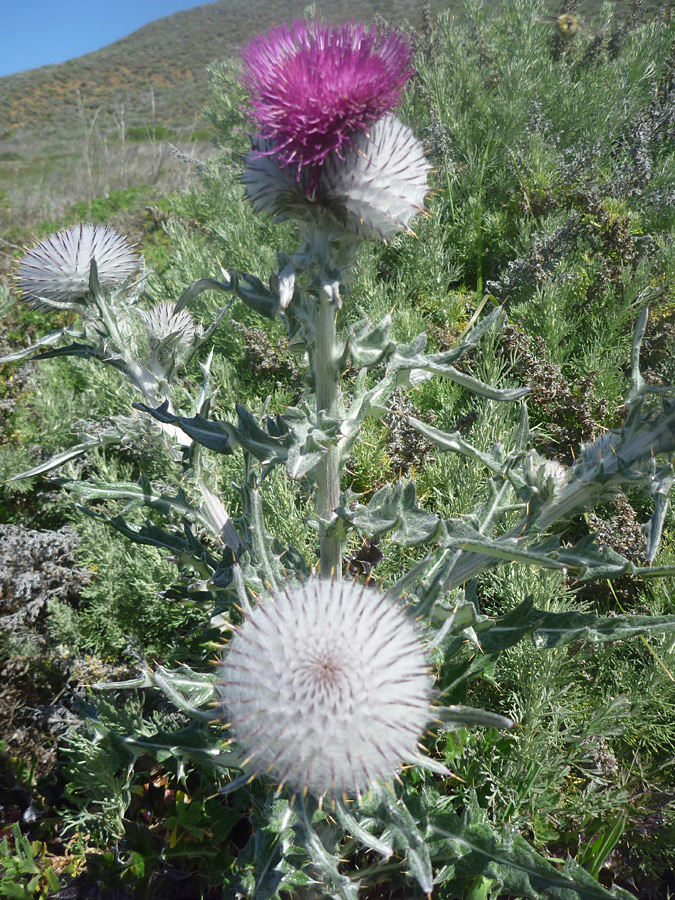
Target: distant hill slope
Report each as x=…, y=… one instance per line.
x=99, y=123
x=169, y=57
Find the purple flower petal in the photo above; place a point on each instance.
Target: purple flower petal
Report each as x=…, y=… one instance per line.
x=314, y=85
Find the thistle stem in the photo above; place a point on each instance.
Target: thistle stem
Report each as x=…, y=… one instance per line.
x=327, y=376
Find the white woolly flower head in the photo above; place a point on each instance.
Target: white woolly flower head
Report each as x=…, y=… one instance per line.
x=163, y=325
x=56, y=271
x=382, y=181
x=373, y=191
x=327, y=687
x=274, y=189
x=170, y=336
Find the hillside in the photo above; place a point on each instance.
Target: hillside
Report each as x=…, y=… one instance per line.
x=97, y=123
x=169, y=56
x=101, y=122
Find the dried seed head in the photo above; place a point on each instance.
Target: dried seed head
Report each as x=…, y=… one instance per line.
x=56, y=271
x=327, y=687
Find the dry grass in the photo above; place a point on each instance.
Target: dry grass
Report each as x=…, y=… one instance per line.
x=46, y=189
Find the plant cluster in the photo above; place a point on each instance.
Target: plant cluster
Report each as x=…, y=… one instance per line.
x=416, y=689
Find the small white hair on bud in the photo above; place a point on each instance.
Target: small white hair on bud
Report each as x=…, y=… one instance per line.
x=598, y=453
x=163, y=322
x=57, y=269
x=373, y=191
x=327, y=687
x=274, y=189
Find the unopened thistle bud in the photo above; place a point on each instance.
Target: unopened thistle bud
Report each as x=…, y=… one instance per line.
x=547, y=476
x=596, y=456
x=56, y=271
x=164, y=326
x=327, y=688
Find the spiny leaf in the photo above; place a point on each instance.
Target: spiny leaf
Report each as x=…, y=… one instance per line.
x=476, y=849
x=48, y=340
x=553, y=629
x=370, y=342
x=394, y=508
x=102, y=440
x=409, y=837
x=208, y=433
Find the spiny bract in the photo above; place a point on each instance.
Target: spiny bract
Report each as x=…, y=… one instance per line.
x=162, y=322
x=374, y=191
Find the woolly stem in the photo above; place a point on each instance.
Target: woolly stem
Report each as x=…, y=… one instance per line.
x=327, y=376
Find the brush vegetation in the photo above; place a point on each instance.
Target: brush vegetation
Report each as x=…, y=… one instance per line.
x=554, y=165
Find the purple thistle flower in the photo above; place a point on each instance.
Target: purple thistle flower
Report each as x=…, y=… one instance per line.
x=314, y=85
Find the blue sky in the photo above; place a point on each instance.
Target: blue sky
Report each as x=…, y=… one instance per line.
x=37, y=33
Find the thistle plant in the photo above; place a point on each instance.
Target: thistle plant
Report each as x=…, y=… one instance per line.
x=328, y=685
x=93, y=271
x=330, y=153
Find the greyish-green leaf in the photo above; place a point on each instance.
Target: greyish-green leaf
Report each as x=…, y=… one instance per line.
x=394, y=508
x=207, y=432
x=369, y=343
x=476, y=849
